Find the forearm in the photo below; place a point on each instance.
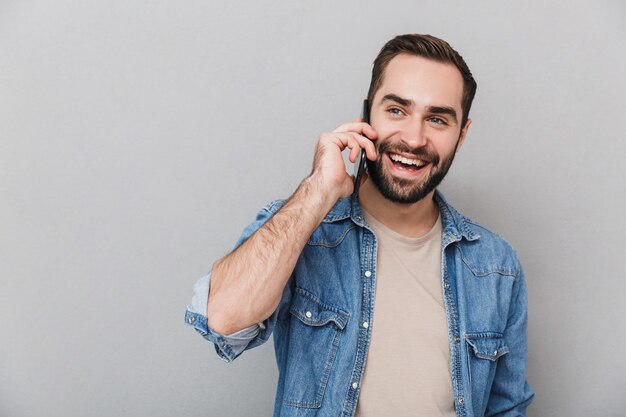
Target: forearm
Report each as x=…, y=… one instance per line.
x=247, y=284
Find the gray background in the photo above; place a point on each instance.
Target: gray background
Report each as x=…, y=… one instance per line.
x=137, y=139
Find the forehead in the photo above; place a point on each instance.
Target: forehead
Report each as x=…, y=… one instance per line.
x=424, y=81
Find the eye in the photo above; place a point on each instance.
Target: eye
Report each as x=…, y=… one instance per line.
x=438, y=121
x=395, y=111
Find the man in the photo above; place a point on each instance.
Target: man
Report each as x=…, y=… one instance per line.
x=387, y=302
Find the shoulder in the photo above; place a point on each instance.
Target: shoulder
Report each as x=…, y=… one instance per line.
x=482, y=250
x=490, y=253
x=262, y=217
x=340, y=211
x=273, y=206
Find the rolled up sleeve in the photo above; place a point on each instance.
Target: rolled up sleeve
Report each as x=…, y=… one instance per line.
x=228, y=347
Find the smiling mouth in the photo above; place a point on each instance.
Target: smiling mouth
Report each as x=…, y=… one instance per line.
x=407, y=164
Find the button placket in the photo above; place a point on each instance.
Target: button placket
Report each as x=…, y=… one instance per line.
x=368, y=256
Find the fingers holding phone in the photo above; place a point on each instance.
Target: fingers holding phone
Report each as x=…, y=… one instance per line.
x=364, y=134
x=328, y=165
x=329, y=168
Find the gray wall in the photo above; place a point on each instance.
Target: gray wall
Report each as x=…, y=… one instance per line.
x=137, y=139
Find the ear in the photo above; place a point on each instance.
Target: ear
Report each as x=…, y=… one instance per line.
x=463, y=134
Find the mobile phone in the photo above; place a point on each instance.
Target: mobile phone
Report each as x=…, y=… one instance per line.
x=359, y=164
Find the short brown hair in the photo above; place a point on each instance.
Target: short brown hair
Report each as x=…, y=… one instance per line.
x=426, y=46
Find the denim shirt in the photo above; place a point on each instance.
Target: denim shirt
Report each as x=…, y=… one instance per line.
x=320, y=342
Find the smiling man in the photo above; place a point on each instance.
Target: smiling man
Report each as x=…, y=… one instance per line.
x=385, y=302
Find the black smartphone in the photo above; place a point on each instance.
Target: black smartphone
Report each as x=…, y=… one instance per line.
x=359, y=164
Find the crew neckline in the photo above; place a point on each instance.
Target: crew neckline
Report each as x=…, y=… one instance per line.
x=379, y=227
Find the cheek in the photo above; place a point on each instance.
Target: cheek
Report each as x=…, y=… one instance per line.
x=385, y=135
x=383, y=127
x=446, y=147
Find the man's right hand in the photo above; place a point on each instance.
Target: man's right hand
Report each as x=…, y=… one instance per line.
x=329, y=170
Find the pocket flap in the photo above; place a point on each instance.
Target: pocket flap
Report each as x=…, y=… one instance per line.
x=313, y=312
x=488, y=346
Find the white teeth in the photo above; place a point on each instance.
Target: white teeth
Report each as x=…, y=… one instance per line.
x=407, y=161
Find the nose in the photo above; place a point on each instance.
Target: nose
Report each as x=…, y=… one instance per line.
x=413, y=134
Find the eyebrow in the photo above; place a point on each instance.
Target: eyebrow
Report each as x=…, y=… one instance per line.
x=443, y=110
x=430, y=109
x=401, y=101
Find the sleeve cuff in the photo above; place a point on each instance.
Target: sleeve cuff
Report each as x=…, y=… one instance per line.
x=228, y=347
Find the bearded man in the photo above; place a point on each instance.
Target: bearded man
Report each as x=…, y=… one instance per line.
x=385, y=301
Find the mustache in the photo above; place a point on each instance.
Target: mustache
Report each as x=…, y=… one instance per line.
x=421, y=153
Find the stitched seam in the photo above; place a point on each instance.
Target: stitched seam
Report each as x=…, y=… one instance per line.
x=511, y=273
x=336, y=243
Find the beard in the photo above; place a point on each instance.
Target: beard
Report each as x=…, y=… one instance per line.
x=402, y=190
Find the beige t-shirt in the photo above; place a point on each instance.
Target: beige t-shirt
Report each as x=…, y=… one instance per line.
x=407, y=372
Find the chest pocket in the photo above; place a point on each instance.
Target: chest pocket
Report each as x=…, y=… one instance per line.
x=314, y=337
x=484, y=350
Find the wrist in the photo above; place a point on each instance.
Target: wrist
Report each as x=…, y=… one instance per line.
x=319, y=190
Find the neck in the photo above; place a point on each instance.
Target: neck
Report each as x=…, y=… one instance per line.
x=413, y=220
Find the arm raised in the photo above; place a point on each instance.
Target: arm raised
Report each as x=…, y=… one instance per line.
x=247, y=284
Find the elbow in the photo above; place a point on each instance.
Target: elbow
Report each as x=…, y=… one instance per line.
x=227, y=321
x=218, y=319
x=220, y=327
x=224, y=318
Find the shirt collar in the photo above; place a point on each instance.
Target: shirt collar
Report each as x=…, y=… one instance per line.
x=455, y=225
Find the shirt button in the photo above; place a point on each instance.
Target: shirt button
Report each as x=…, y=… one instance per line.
x=355, y=385
x=461, y=400
x=457, y=339
x=446, y=285
x=190, y=319
x=368, y=273
x=308, y=314
x=358, y=218
x=495, y=353
x=365, y=324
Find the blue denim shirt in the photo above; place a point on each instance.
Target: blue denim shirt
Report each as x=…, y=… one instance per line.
x=321, y=348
